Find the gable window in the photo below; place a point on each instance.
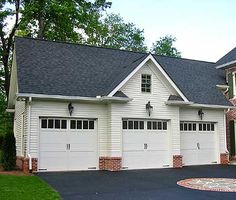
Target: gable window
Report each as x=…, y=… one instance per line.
x=146, y=83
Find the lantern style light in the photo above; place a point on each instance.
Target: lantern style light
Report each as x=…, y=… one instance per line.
x=200, y=113
x=70, y=108
x=149, y=108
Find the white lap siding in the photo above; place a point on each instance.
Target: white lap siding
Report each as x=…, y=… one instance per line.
x=210, y=115
x=60, y=109
x=160, y=91
x=20, y=125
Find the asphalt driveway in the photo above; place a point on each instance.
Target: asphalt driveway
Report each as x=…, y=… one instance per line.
x=151, y=184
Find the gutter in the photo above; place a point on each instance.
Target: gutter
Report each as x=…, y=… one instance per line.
x=28, y=134
x=195, y=105
x=74, y=98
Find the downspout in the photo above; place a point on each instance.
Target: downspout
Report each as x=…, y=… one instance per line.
x=225, y=143
x=28, y=135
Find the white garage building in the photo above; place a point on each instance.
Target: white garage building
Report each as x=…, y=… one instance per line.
x=79, y=107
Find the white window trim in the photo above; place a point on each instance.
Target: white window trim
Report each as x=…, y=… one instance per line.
x=144, y=92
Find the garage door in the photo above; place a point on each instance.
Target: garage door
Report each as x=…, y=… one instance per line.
x=145, y=144
x=198, y=143
x=67, y=144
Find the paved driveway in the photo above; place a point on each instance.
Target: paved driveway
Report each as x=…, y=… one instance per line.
x=138, y=184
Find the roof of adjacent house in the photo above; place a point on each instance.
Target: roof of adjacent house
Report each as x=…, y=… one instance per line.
x=57, y=68
x=229, y=57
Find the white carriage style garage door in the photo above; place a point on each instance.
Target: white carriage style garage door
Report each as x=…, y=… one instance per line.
x=198, y=143
x=145, y=144
x=67, y=144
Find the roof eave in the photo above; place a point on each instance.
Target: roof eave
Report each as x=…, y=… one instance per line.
x=227, y=65
x=196, y=105
x=74, y=98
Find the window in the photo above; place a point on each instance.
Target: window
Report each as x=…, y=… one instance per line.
x=188, y=126
x=204, y=127
x=146, y=83
x=82, y=124
x=54, y=123
x=72, y=124
x=133, y=124
x=50, y=123
x=44, y=123
x=156, y=125
x=79, y=124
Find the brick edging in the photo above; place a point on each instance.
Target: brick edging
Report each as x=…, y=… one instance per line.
x=110, y=163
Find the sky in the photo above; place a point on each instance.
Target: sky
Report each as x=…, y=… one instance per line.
x=204, y=29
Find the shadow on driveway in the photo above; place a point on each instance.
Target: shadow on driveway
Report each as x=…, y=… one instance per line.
x=137, y=184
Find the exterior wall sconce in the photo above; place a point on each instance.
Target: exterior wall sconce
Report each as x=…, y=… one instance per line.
x=200, y=113
x=70, y=108
x=149, y=108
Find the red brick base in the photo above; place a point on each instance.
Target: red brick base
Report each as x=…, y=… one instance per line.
x=110, y=163
x=23, y=163
x=224, y=158
x=177, y=161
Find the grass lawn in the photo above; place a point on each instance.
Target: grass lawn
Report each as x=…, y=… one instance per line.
x=25, y=187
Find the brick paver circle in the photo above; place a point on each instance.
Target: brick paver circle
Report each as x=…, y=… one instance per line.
x=210, y=184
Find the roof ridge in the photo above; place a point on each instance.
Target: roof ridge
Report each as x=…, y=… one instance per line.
x=184, y=58
x=108, y=48
x=80, y=44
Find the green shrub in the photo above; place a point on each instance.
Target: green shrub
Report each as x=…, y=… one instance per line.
x=9, y=151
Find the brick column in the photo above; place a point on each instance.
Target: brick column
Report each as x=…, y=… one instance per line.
x=110, y=163
x=224, y=158
x=177, y=161
x=22, y=163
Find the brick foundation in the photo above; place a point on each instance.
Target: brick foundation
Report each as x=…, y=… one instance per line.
x=224, y=158
x=231, y=115
x=22, y=163
x=110, y=163
x=177, y=161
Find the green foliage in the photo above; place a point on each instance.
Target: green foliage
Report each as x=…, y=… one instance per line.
x=9, y=151
x=59, y=19
x=164, y=47
x=113, y=32
x=25, y=188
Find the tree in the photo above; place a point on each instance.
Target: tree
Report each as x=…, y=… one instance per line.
x=113, y=32
x=6, y=40
x=48, y=19
x=164, y=47
x=60, y=19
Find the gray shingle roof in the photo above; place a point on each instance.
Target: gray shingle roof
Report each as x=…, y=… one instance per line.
x=231, y=56
x=175, y=98
x=57, y=68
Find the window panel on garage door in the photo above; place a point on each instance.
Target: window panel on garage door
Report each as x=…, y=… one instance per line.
x=82, y=124
x=53, y=123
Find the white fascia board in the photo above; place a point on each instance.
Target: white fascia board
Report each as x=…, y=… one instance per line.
x=195, y=105
x=211, y=106
x=78, y=98
x=149, y=57
x=226, y=65
x=178, y=103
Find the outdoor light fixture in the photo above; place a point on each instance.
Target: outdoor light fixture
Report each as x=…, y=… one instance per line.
x=200, y=113
x=70, y=108
x=149, y=108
